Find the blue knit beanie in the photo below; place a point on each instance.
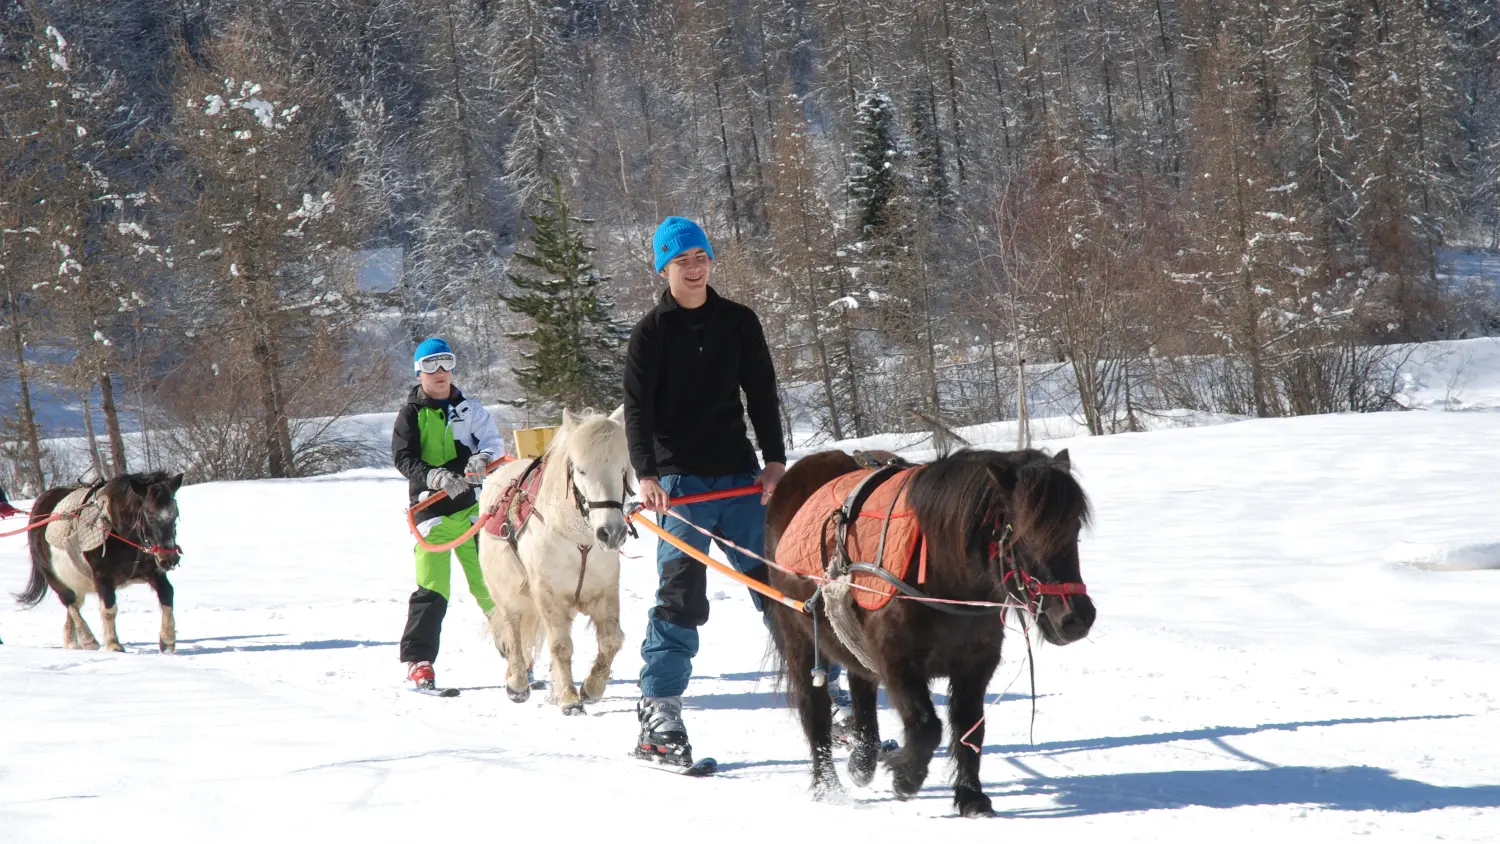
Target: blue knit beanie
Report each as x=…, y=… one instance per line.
x=430, y=346
x=675, y=236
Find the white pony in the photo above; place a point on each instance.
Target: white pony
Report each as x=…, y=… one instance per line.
x=563, y=559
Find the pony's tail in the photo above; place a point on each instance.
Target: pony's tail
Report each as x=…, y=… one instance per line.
x=36, y=589
x=774, y=660
x=41, y=552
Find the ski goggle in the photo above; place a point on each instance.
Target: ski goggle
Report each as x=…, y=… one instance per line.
x=432, y=363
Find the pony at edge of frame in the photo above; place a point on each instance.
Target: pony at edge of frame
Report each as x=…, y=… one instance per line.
x=999, y=527
x=137, y=526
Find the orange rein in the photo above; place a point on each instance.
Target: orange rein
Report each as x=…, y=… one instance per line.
x=635, y=516
x=411, y=515
x=752, y=583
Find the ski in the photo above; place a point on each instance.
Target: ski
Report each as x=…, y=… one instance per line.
x=434, y=692
x=705, y=767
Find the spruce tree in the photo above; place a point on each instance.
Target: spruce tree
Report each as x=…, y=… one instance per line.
x=575, y=359
x=872, y=170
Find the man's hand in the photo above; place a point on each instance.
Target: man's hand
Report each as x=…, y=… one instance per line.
x=768, y=478
x=477, y=467
x=653, y=497
x=448, y=482
x=6, y=511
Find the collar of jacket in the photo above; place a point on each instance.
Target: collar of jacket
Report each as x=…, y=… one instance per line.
x=669, y=304
x=420, y=399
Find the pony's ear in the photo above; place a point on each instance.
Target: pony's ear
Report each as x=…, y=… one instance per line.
x=174, y=483
x=1061, y=458
x=618, y=417
x=568, y=419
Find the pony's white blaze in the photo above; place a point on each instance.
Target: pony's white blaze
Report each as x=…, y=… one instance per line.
x=558, y=566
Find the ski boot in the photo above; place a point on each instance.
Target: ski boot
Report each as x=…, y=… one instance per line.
x=421, y=675
x=663, y=737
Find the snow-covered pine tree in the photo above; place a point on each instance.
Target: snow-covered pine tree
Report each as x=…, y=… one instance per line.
x=872, y=167
x=575, y=358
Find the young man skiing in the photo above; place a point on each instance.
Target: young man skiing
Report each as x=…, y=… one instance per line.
x=687, y=363
x=442, y=440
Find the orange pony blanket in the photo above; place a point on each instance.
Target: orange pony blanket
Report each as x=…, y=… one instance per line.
x=811, y=537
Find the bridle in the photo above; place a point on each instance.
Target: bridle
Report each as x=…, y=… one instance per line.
x=160, y=552
x=585, y=506
x=1016, y=579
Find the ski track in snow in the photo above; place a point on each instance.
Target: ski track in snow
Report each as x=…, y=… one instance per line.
x=1297, y=639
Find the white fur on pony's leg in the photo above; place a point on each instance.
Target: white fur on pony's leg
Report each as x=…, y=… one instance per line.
x=605, y=614
x=559, y=628
x=70, y=635
x=168, y=640
x=111, y=638
x=81, y=629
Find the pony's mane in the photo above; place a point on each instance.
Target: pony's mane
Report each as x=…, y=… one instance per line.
x=590, y=433
x=955, y=497
x=124, y=503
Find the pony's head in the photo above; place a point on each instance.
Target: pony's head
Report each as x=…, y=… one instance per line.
x=143, y=509
x=1035, y=544
x=598, y=471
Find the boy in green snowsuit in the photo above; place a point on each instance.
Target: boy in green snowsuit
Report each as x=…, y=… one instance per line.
x=442, y=440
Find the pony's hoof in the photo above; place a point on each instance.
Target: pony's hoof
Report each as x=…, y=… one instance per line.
x=116, y=647
x=827, y=789
x=973, y=804
x=167, y=647
x=862, y=762
x=906, y=784
x=583, y=692
x=90, y=646
x=518, y=696
x=573, y=709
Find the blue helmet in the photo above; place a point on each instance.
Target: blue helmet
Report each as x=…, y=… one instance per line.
x=429, y=347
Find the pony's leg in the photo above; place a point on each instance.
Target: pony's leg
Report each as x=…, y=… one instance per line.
x=559, y=626
x=74, y=601
x=81, y=629
x=70, y=632
x=515, y=649
x=605, y=613
x=105, y=589
x=865, y=752
x=908, y=693
x=167, y=641
x=965, y=715
x=813, y=704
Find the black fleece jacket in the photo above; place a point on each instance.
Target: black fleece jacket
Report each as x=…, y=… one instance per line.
x=684, y=370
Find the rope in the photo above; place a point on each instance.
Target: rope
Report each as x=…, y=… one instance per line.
x=411, y=514
x=34, y=525
x=1002, y=605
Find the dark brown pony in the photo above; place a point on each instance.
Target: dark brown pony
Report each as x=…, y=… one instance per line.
x=996, y=524
x=141, y=548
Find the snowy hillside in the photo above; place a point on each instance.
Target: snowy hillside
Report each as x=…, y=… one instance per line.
x=1299, y=627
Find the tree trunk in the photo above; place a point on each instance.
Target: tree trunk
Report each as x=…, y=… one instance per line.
x=28, y=415
x=88, y=427
x=278, y=464
x=112, y=423
x=734, y=211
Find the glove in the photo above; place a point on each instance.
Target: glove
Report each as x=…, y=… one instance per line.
x=6, y=511
x=478, y=466
x=447, y=481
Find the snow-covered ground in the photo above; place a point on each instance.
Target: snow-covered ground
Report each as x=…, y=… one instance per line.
x=1298, y=639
